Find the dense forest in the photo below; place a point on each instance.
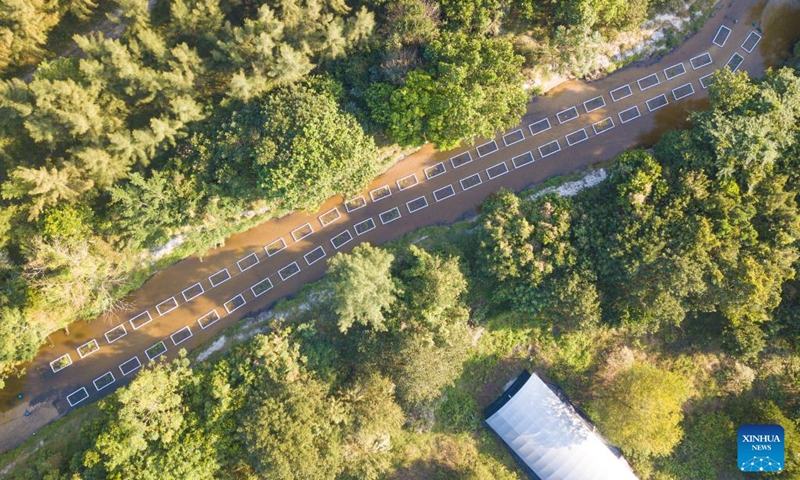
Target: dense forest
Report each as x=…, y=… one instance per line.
x=665, y=301
x=173, y=123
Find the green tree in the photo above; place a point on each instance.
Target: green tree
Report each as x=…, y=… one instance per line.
x=422, y=367
x=522, y=244
x=19, y=337
x=69, y=222
x=310, y=149
x=743, y=214
x=146, y=209
x=609, y=16
x=291, y=427
x=573, y=302
x=409, y=23
x=83, y=277
x=200, y=23
x=85, y=123
x=705, y=451
x=375, y=420
x=294, y=147
x=432, y=287
x=749, y=125
x=280, y=46
x=291, y=435
x=640, y=409
x=12, y=284
x=362, y=287
x=788, y=313
x=222, y=154
x=636, y=235
x=744, y=340
x=146, y=431
x=472, y=89
x=19, y=340
x=24, y=26
x=576, y=50
x=47, y=187
x=474, y=16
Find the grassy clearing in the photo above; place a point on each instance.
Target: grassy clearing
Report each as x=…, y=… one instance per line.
x=437, y=456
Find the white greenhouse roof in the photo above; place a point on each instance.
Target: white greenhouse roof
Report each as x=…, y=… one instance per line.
x=552, y=440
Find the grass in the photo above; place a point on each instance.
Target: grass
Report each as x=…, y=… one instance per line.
x=88, y=348
x=61, y=363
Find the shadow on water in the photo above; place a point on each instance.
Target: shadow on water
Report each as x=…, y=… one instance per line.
x=13, y=387
x=779, y=22
x=672, y=117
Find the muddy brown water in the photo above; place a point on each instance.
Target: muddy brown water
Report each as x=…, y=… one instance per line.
x=42, y=387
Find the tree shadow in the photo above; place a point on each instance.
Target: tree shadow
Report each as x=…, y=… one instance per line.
x=427, y=470
x=701, y=332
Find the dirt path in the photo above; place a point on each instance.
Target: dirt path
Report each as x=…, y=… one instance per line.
x=156, y=299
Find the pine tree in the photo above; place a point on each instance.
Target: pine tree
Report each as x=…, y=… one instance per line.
x=24, y=25
x=66, y=110
x=46, y=186
x=290, y=65
x=335, y=43
x=360, y=27
x=101, y=166
x=201, y=22
x=81, y=9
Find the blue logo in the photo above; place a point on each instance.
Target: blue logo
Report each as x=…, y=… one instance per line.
x=761, y=448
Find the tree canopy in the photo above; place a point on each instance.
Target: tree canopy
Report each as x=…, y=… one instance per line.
x=363, y=288
x=640, y=409
x=679, y=271
x=267, y=409
x=311, y=150
x=471, y=89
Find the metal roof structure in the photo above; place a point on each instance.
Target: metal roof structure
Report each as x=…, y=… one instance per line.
x=549, y=437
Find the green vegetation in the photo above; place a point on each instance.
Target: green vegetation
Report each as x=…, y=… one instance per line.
x=180, y=118
x=640, y=409
x=26, y=26
x=187, y=121
x=472, y=86
x=362, y=287
x=306, y=401
x=664, y=301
